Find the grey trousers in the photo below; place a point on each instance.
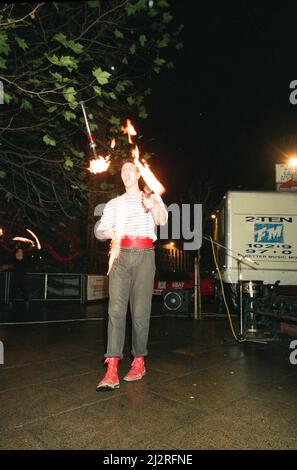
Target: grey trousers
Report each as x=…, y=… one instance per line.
x=131, y=278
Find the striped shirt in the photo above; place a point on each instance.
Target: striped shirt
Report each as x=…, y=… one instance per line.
x=126, y=215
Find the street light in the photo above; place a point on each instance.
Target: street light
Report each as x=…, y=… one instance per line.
x=293, y=162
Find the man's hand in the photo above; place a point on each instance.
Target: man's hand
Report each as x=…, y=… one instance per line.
x=148, y=202
x=151, y=204
x=114, y=251
x=103, y=235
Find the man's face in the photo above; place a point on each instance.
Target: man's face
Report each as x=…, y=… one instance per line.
x=129, y=175
x=19, y=255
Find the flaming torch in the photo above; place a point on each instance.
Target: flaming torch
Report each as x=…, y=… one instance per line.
x=23, y=240
x=148, y=176
x=129, y=129
x=28, y=240
x=35, y=237
x=99, y=164
x=151, y=181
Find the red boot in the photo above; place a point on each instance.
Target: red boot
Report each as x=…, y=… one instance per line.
x=137, y=370
x=110, y=380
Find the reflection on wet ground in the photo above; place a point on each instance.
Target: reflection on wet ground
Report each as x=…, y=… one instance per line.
x=202, y=390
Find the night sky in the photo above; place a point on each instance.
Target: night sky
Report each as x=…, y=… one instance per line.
x=223, y=114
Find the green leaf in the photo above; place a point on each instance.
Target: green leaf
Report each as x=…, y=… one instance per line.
x=179, y=46
x=132, y=49
x=131, y=9
x=170, y=65
x=2, y=63
x=73, y=105
x=77, y=153
x=68, y=43
x=75, y=46
x=22, y=43
x=69, y=62
x=7, y=98
x=148, y=91
x=69, y=94
x=142, y=39
x=153, y=12
x=51, y=109
x=37, y=63
x=97, y=90
x=125, y=61
x=101, y=76
x=4, y=46
x=115, y=121
x=8, y=196
x=64, y=61
x=49, y=140
x=118, y=34
x=139, y=99
x=122, y=85
x=60, y=37
x=167, y=17
x=131, y=100
x=164, y=41
x=142, y=112
x=57, y=76
x=112, y=95
x=69, y=116
x=26, y=104
x=68, y=164
x=2, y=174
x=159, y=62
x=93, y=126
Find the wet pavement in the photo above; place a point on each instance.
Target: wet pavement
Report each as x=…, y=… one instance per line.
x=202, y=390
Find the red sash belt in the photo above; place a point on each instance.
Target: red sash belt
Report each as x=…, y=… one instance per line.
x=136, y=242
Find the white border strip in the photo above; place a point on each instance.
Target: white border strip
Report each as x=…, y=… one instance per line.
x=50, y=321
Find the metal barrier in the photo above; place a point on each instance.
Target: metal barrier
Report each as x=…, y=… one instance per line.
x=59, y=287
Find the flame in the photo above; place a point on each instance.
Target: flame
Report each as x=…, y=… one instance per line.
x=129, y=129
x=113, y=143
x=1, y=232
x=99, y=164
x=135, y=153
x=147, y=174
x=24, y=240
x=35, y=237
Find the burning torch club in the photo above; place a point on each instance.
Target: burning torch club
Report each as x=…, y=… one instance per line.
x=99, y=164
